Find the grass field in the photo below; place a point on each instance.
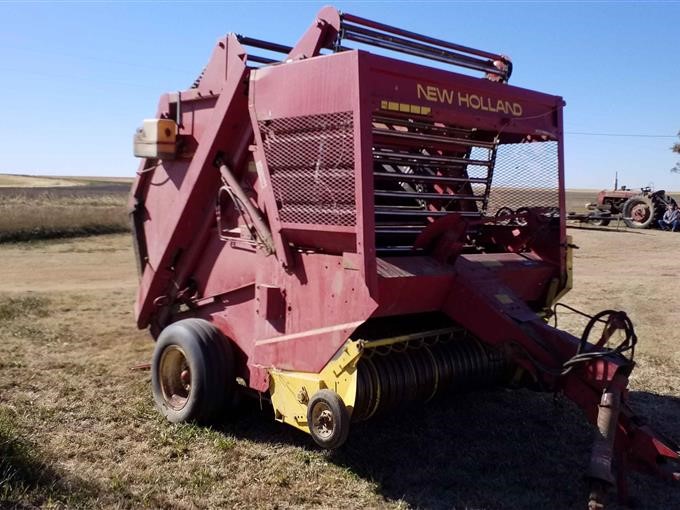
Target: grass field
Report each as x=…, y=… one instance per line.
x=37, y=181
x=42, y=207
x=78, y=428
x=56, y=207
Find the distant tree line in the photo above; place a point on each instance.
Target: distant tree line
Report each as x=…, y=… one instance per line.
x=676, y=149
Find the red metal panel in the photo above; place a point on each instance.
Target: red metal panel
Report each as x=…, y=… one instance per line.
x=464, y=100
x=326, y=85
x=224, y=268
x=321, y=34
x=363, y=147
x=315, y=86
x=174, y=217
x=527, y=275
x=325, y=302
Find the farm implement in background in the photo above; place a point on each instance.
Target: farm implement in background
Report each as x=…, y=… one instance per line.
x=325, y=227
x=638, y=209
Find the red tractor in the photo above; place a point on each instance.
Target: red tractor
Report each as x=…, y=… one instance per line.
x=640, y=209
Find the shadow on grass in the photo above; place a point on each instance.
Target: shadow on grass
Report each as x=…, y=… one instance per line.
x=29, y=481
x=490, y=449
x=613, y=229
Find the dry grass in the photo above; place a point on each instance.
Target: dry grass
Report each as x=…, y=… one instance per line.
x=62, y=211
x=44, y=207
x=78, y=428
x=43, y=181
x=21, y=181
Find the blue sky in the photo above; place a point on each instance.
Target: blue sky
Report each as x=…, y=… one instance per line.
x=78, y=77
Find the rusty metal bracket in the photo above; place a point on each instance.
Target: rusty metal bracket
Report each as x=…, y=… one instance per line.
x=263, y=233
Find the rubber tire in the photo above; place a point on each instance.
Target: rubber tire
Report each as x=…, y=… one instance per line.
x=340, y=417
x=653, y=212
x=503, y=211
x=211, y=363
x=523, y=221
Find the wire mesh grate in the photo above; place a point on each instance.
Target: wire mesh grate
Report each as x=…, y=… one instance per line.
x=311, y=163
x=525, y=175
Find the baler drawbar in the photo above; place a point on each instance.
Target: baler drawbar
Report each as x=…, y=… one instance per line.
x=343, y=232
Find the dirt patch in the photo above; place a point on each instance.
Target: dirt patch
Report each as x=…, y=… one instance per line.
x=101, y=262
x=635, y=271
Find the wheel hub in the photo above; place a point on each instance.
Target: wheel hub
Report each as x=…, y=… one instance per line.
x=175, y=377
x=322, y=420
x=640, y=213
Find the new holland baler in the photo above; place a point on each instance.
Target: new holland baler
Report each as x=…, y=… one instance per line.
x=343, y=233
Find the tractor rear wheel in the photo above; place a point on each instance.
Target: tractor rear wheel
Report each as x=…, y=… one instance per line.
x=328, y=419
x=641, y=212
x=192, y=372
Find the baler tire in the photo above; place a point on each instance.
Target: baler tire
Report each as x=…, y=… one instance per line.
x=330, y=403
x=221, y=366
x=209, y=362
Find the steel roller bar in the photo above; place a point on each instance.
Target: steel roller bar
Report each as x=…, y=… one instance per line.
x=438, y=179
x=410, y=159
x=422, y=137
x=265, y=45
x=394, y=43
x=416, y=36
x=427, y=196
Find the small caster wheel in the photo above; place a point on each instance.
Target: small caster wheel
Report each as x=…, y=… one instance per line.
x=328, y=419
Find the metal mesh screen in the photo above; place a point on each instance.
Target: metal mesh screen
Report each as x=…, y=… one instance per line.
x=525, y=175
x=311, y=163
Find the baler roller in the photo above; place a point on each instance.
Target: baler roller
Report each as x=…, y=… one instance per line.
x=423, y=137
x=400, y=249
x=437, y=179
x=404, y=211
x=429, y=128
x=404, y=159
x=422, y=369
x=261, y=60
x=264, y=45
x=355, y=28
x=427, y=196
x=399, y=229
x=408, y=155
